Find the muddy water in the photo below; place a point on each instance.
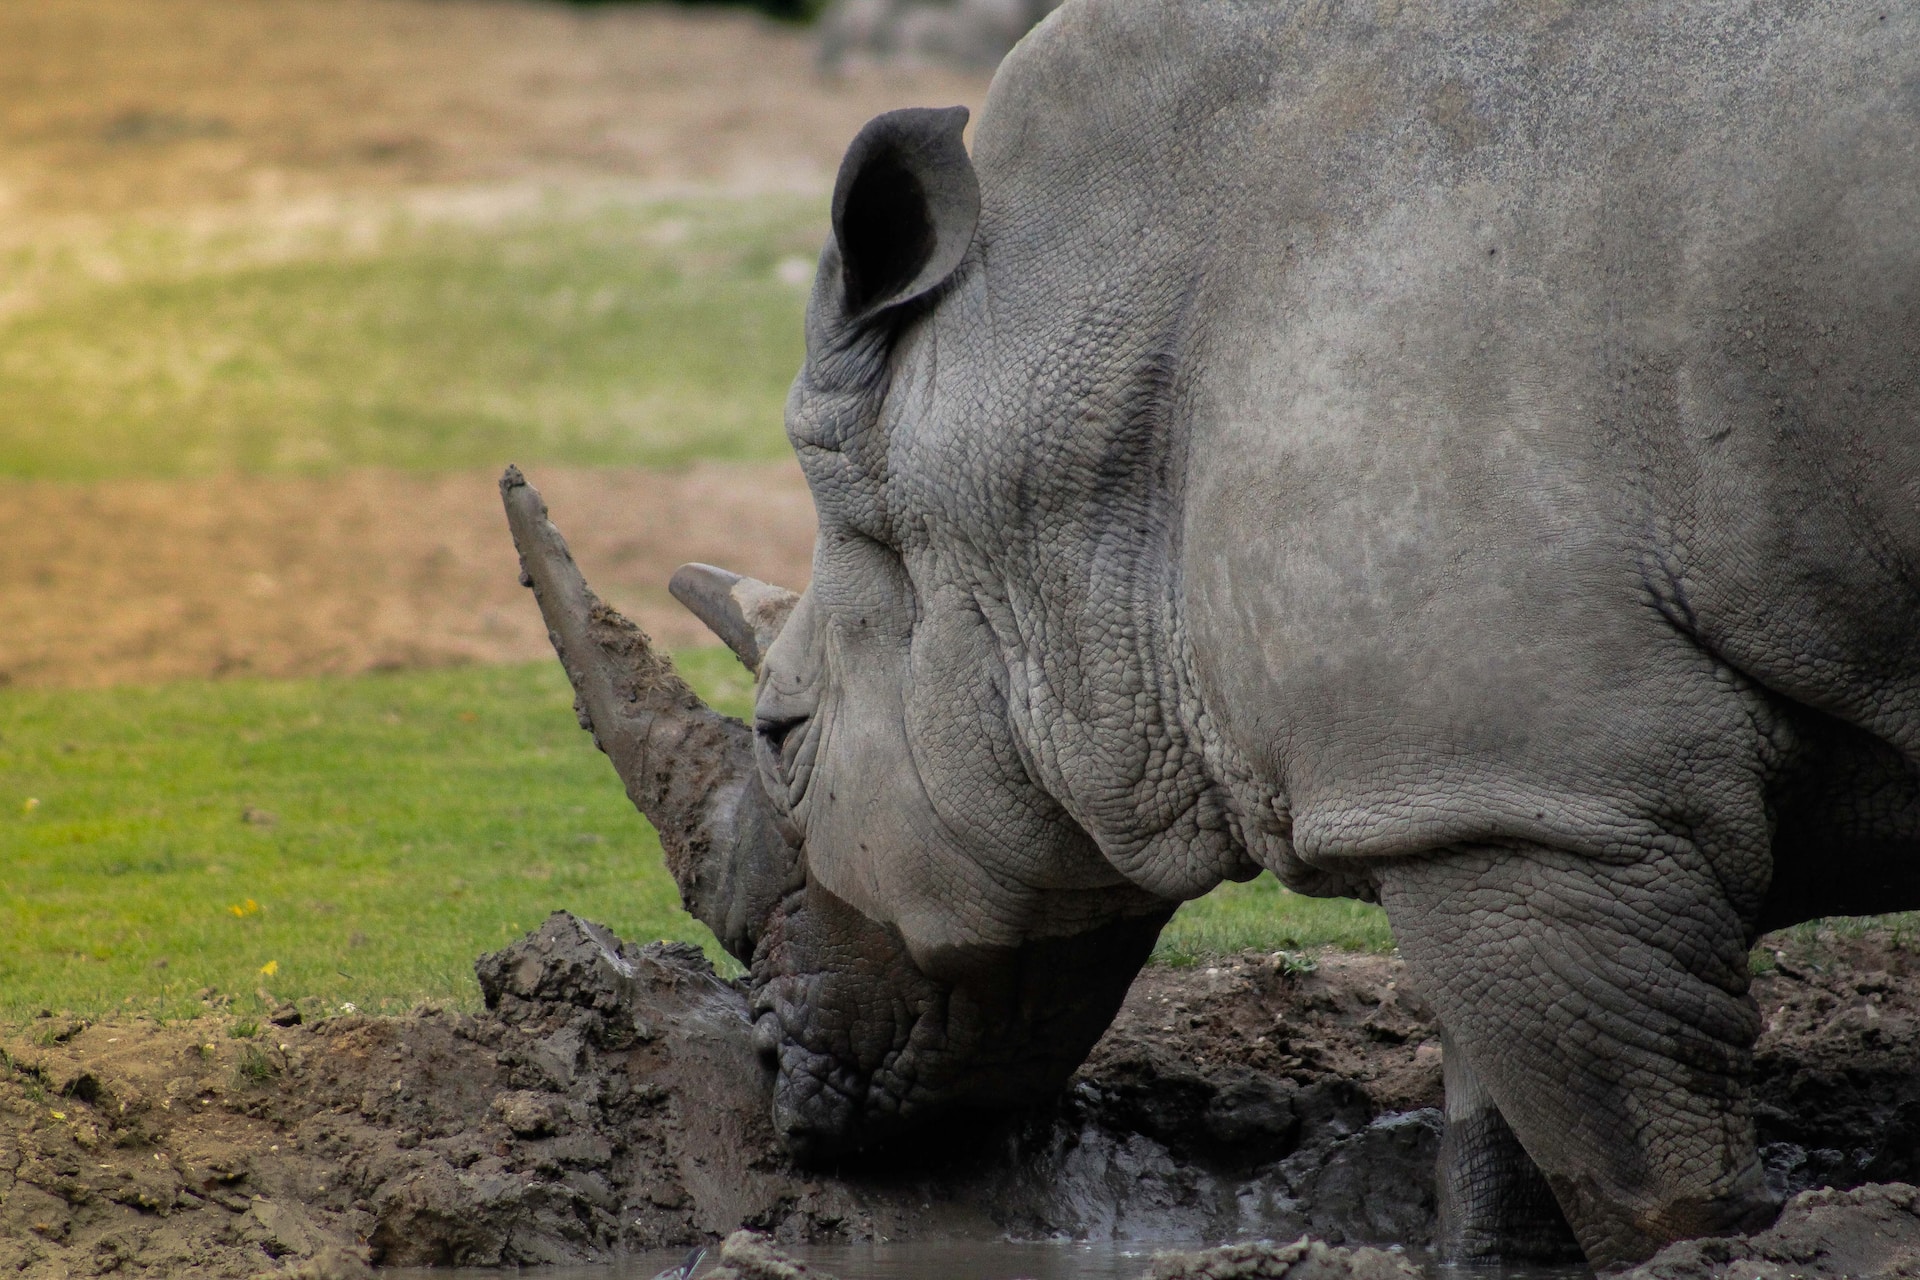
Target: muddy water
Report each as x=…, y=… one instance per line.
x=954, y=1260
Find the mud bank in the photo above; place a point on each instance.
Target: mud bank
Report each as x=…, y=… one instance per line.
x=608, y=1101
x=1873, y=1230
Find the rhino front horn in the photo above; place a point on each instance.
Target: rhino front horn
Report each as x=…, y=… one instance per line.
x=686, y=766
x=746, y=613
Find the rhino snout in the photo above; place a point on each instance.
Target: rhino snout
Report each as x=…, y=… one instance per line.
x=867, y=1045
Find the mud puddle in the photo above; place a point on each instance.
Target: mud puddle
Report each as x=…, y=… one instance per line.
x=913, y=1260
x=953, y=1260
x=607, y=1108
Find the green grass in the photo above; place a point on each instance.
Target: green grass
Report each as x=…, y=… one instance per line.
x=1261, y=916
x=416, y=820
x=400, y=825
x=609, y=333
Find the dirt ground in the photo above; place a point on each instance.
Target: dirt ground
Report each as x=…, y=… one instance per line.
x=117, y=106
x=182, y=108
x=138, y=580
x=608, y=1101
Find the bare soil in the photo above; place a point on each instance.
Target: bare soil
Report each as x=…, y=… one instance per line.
x=114, y=106
x=139, y=580
x=608, y=1101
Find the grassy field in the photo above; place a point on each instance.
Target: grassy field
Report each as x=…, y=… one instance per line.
x=610, y=333
x=348, y=839
x=361, y=840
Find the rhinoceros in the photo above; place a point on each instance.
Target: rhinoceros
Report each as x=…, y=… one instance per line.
x=1462, y=455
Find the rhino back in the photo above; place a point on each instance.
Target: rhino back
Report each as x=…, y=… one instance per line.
x=1541, y=385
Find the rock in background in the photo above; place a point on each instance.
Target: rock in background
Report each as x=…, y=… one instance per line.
x=961, y=33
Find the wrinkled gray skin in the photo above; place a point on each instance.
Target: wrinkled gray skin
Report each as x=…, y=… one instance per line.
x=1463, y=455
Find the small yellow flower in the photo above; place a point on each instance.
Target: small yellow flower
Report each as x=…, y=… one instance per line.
x=270, y=968
x=247, y=908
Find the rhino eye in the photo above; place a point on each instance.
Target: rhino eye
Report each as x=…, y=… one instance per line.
x=783, y=742
x=776, y=732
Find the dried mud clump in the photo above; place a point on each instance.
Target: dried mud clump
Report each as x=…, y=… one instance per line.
x=1837, y=1097
x=1264, y=1260
x=1264, y=1096
x=608, y=1100
x=748, y=1255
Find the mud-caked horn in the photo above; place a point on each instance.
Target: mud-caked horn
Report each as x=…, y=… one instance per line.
x=686, y=766
x=745, y=613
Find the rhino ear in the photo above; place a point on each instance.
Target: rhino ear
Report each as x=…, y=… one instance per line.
x=904, y=207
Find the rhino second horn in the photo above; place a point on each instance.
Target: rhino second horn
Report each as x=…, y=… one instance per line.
x=686, y=766
x=746, y=613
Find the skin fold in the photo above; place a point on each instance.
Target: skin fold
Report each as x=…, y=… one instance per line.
x=1462, y=456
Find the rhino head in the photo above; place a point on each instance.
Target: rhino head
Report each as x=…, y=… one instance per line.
x=927, y=926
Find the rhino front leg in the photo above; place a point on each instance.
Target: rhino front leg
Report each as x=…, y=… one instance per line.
x=1494, y=1201
x=1603, y=1009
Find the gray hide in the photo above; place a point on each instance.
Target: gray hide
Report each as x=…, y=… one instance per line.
x=1460, y=454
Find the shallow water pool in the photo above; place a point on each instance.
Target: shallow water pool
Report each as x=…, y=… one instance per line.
x=956, y=1260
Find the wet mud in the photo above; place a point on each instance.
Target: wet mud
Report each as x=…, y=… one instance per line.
x=1826, y=1234
x=748, y=1255
x=607, y=1101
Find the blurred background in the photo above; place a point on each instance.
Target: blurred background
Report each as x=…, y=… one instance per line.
x=283, y=285
x=284, y=282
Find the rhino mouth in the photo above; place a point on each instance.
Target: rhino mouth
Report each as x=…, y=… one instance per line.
x=867, y=1047
x=855, y=1032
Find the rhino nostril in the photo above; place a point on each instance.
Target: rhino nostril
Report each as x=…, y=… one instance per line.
x=766, y=1035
